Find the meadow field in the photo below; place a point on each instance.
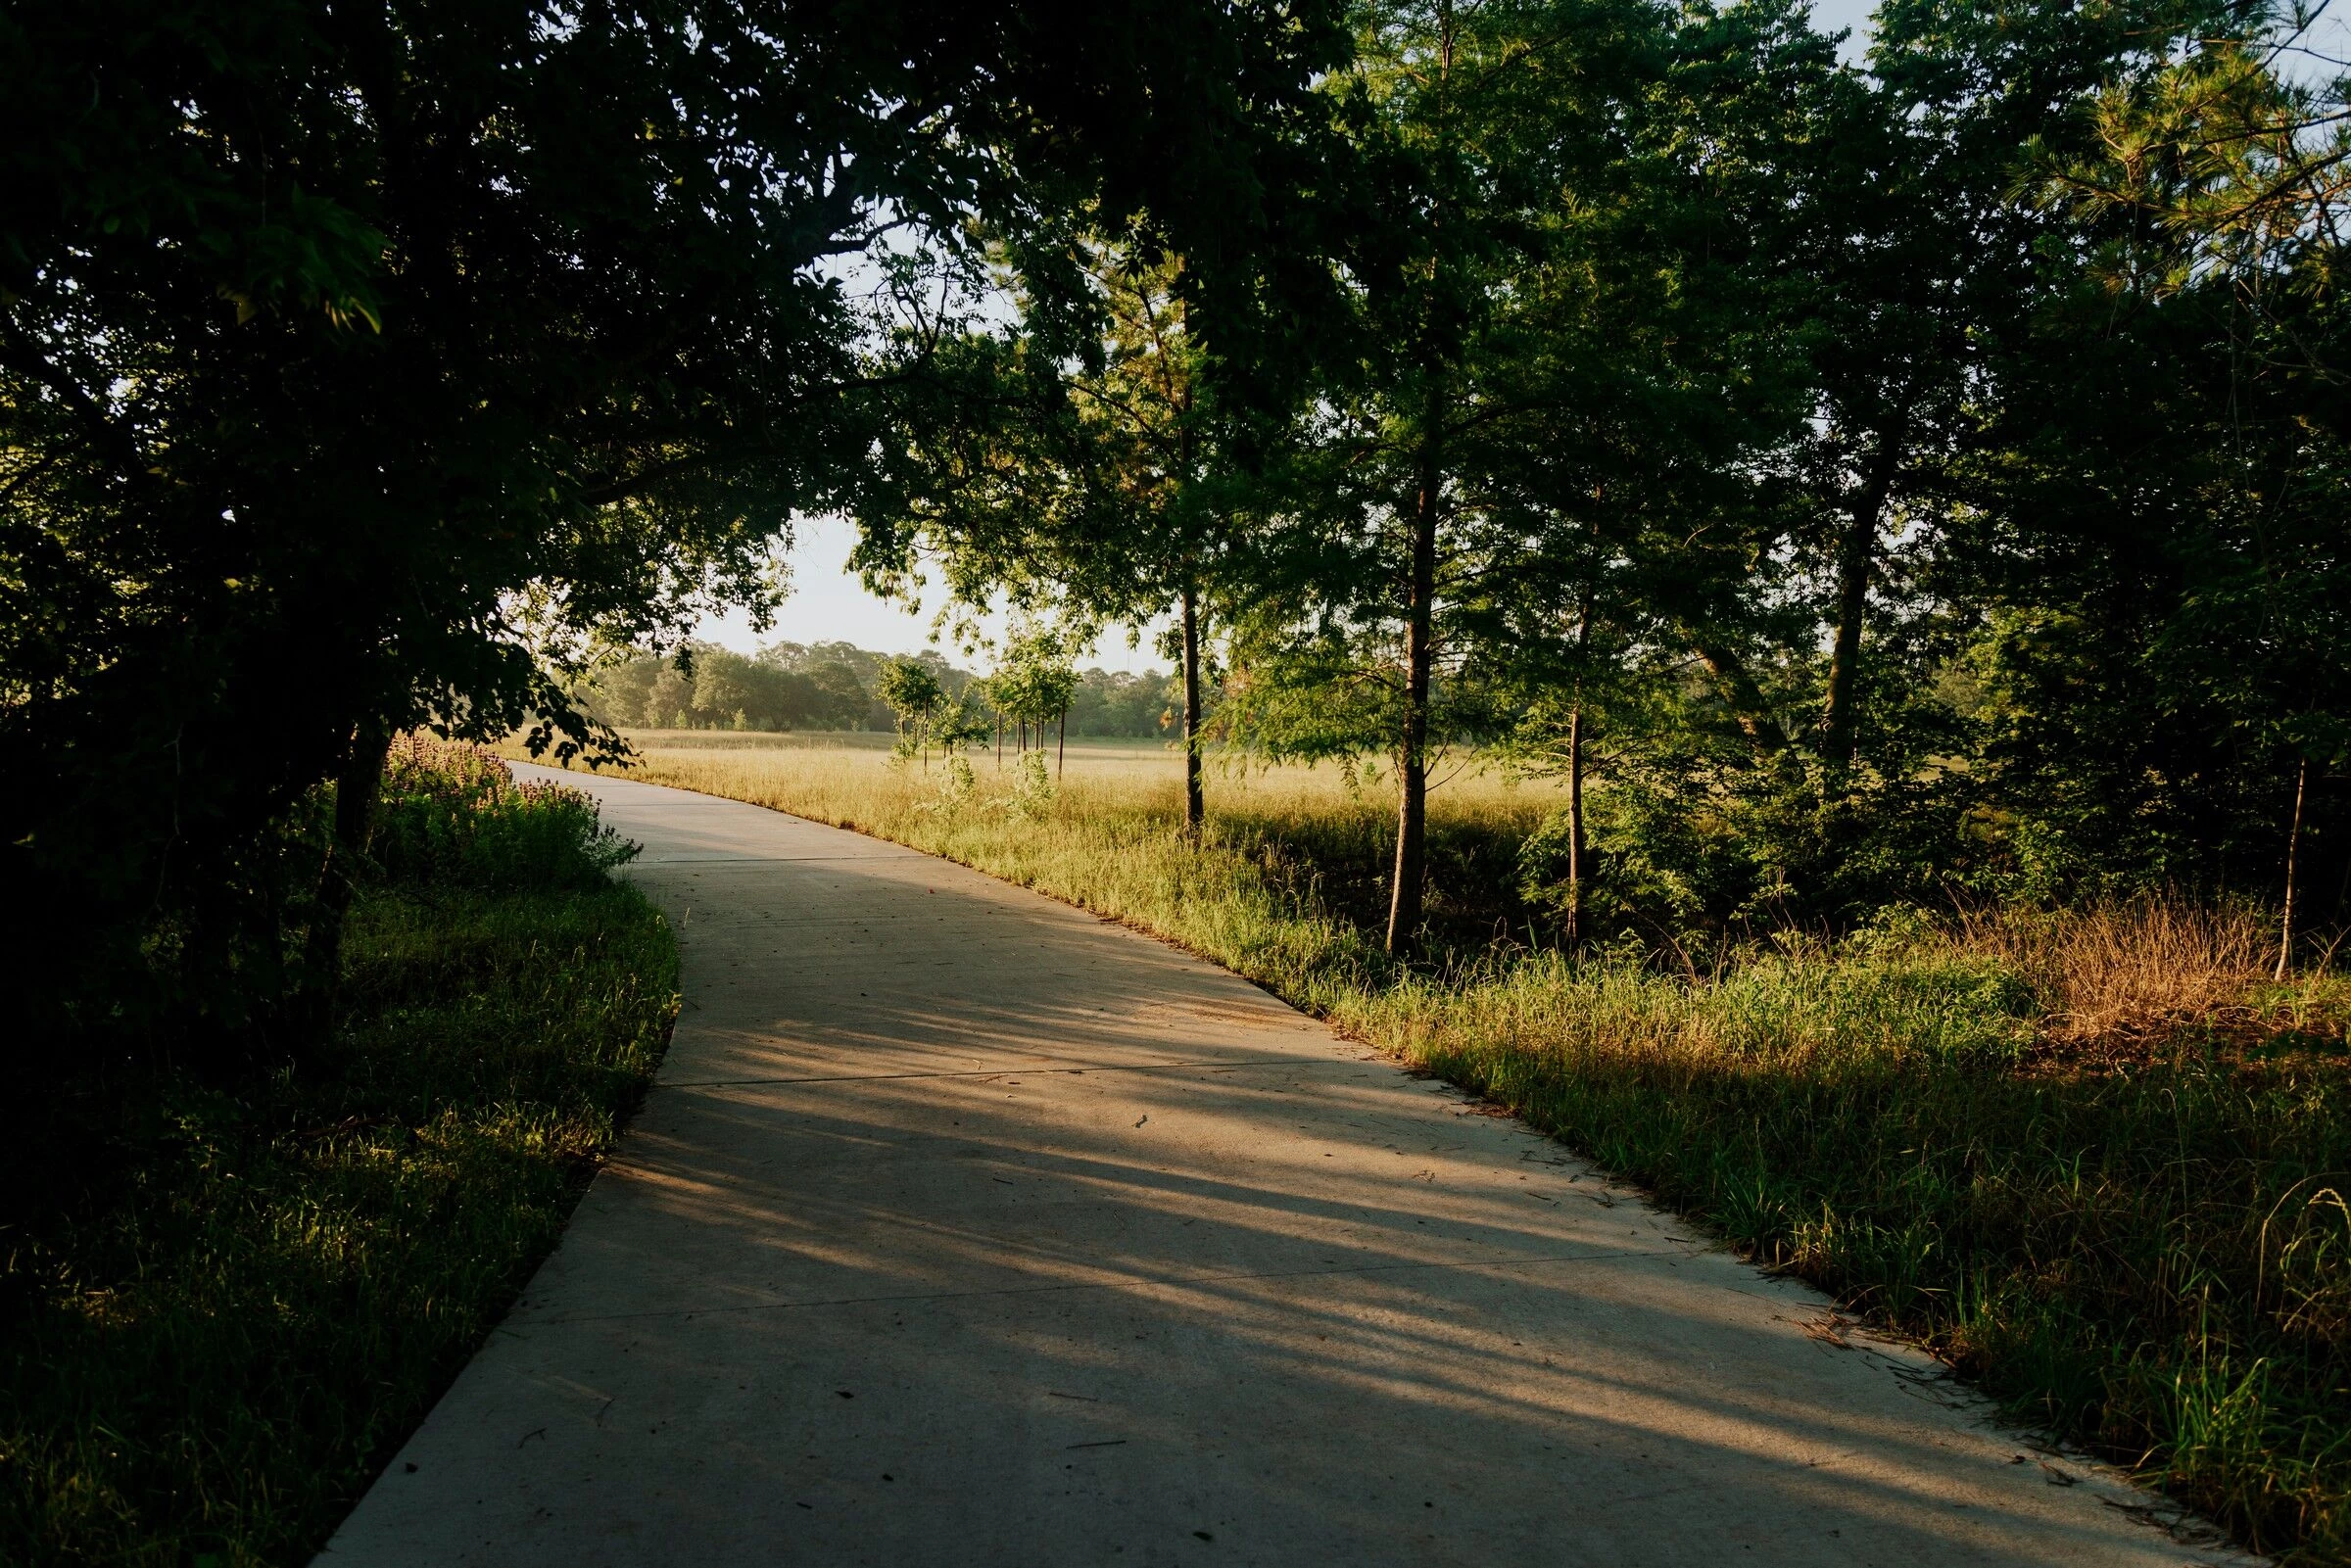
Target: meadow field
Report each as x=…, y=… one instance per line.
x=2096, y=1160
x=1318, y=839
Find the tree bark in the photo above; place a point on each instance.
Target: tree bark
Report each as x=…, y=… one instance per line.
x=1195, y=808
x=1061, y=745
x=2293, y=841
x=1857, y=563
x=358, y=779
x=1405, y=907
x=1575, y=827
x=1575, y=782
x=1745, y=698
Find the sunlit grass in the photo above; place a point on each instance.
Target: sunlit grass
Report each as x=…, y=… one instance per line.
x=1285, y=843
x=2094, y=1160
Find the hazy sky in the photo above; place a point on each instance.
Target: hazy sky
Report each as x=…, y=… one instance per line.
x=828, y=604
x=1831, y=15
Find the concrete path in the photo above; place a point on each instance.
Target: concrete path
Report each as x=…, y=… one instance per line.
x=965, y=1228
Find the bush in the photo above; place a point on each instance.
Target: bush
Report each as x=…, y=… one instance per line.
x=454, y=815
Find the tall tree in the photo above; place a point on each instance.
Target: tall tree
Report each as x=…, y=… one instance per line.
x=1105, y=479
x=1569, y=367
x=1480, y=125
x=2148, y=519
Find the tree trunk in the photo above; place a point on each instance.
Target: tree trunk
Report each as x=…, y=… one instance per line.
x=2293, y=840
x=1857, y=560
x=357, y=781
x=1575, y=827
x=1419, y=657
x=1061, y=745
x=1000, y=742
x=1745, y=699
x=1576, y=864
x=1195, y=808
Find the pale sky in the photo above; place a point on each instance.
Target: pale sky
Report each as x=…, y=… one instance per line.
x=827, y=604
x=1829, y=15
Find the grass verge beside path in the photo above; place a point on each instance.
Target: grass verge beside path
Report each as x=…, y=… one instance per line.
x=224, y=1300
x=2092, y=1161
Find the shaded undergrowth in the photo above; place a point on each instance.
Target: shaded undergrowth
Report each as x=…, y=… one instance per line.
x=224, y=1299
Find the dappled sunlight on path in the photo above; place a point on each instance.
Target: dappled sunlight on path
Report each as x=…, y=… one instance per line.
x=964, y=1227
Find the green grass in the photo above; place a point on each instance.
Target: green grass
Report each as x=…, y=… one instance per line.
x=225, y=1303
x=2148, y=1257
x=2094, y=1161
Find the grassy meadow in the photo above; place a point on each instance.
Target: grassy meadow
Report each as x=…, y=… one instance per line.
x=2096, y=1160
x=1287, y=843
x=227, y=1295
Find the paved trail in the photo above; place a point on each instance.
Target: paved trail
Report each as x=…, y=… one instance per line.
x=965, y=1228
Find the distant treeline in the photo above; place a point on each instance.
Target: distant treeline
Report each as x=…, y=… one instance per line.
x=835, y=686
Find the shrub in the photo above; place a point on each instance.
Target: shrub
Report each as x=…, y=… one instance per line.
x=454, y=814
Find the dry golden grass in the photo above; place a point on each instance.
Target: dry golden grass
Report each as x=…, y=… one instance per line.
x=848, y=778
x=2123, y=975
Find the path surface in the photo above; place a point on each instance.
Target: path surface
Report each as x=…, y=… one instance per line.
x=963, y=1227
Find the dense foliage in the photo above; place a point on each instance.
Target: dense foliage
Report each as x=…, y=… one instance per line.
x=364, y=366
x=1887, y=481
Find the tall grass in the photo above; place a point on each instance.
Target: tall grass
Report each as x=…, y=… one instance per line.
x=2118, y=975
x=2142, y=1251
x=1286, y=847
x=224, y=1301
x=2093, y=1160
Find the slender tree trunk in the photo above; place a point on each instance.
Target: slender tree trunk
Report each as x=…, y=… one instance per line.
x=1575, y=827
x=1857, y=560
x=1405, y=907
x=1419, y=657
x=2293, y=843
x=1576, y=864
x=357, y=781
x=1195, y=808
x=2342, y=892
x=1061, y=745
x=1000, y=742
